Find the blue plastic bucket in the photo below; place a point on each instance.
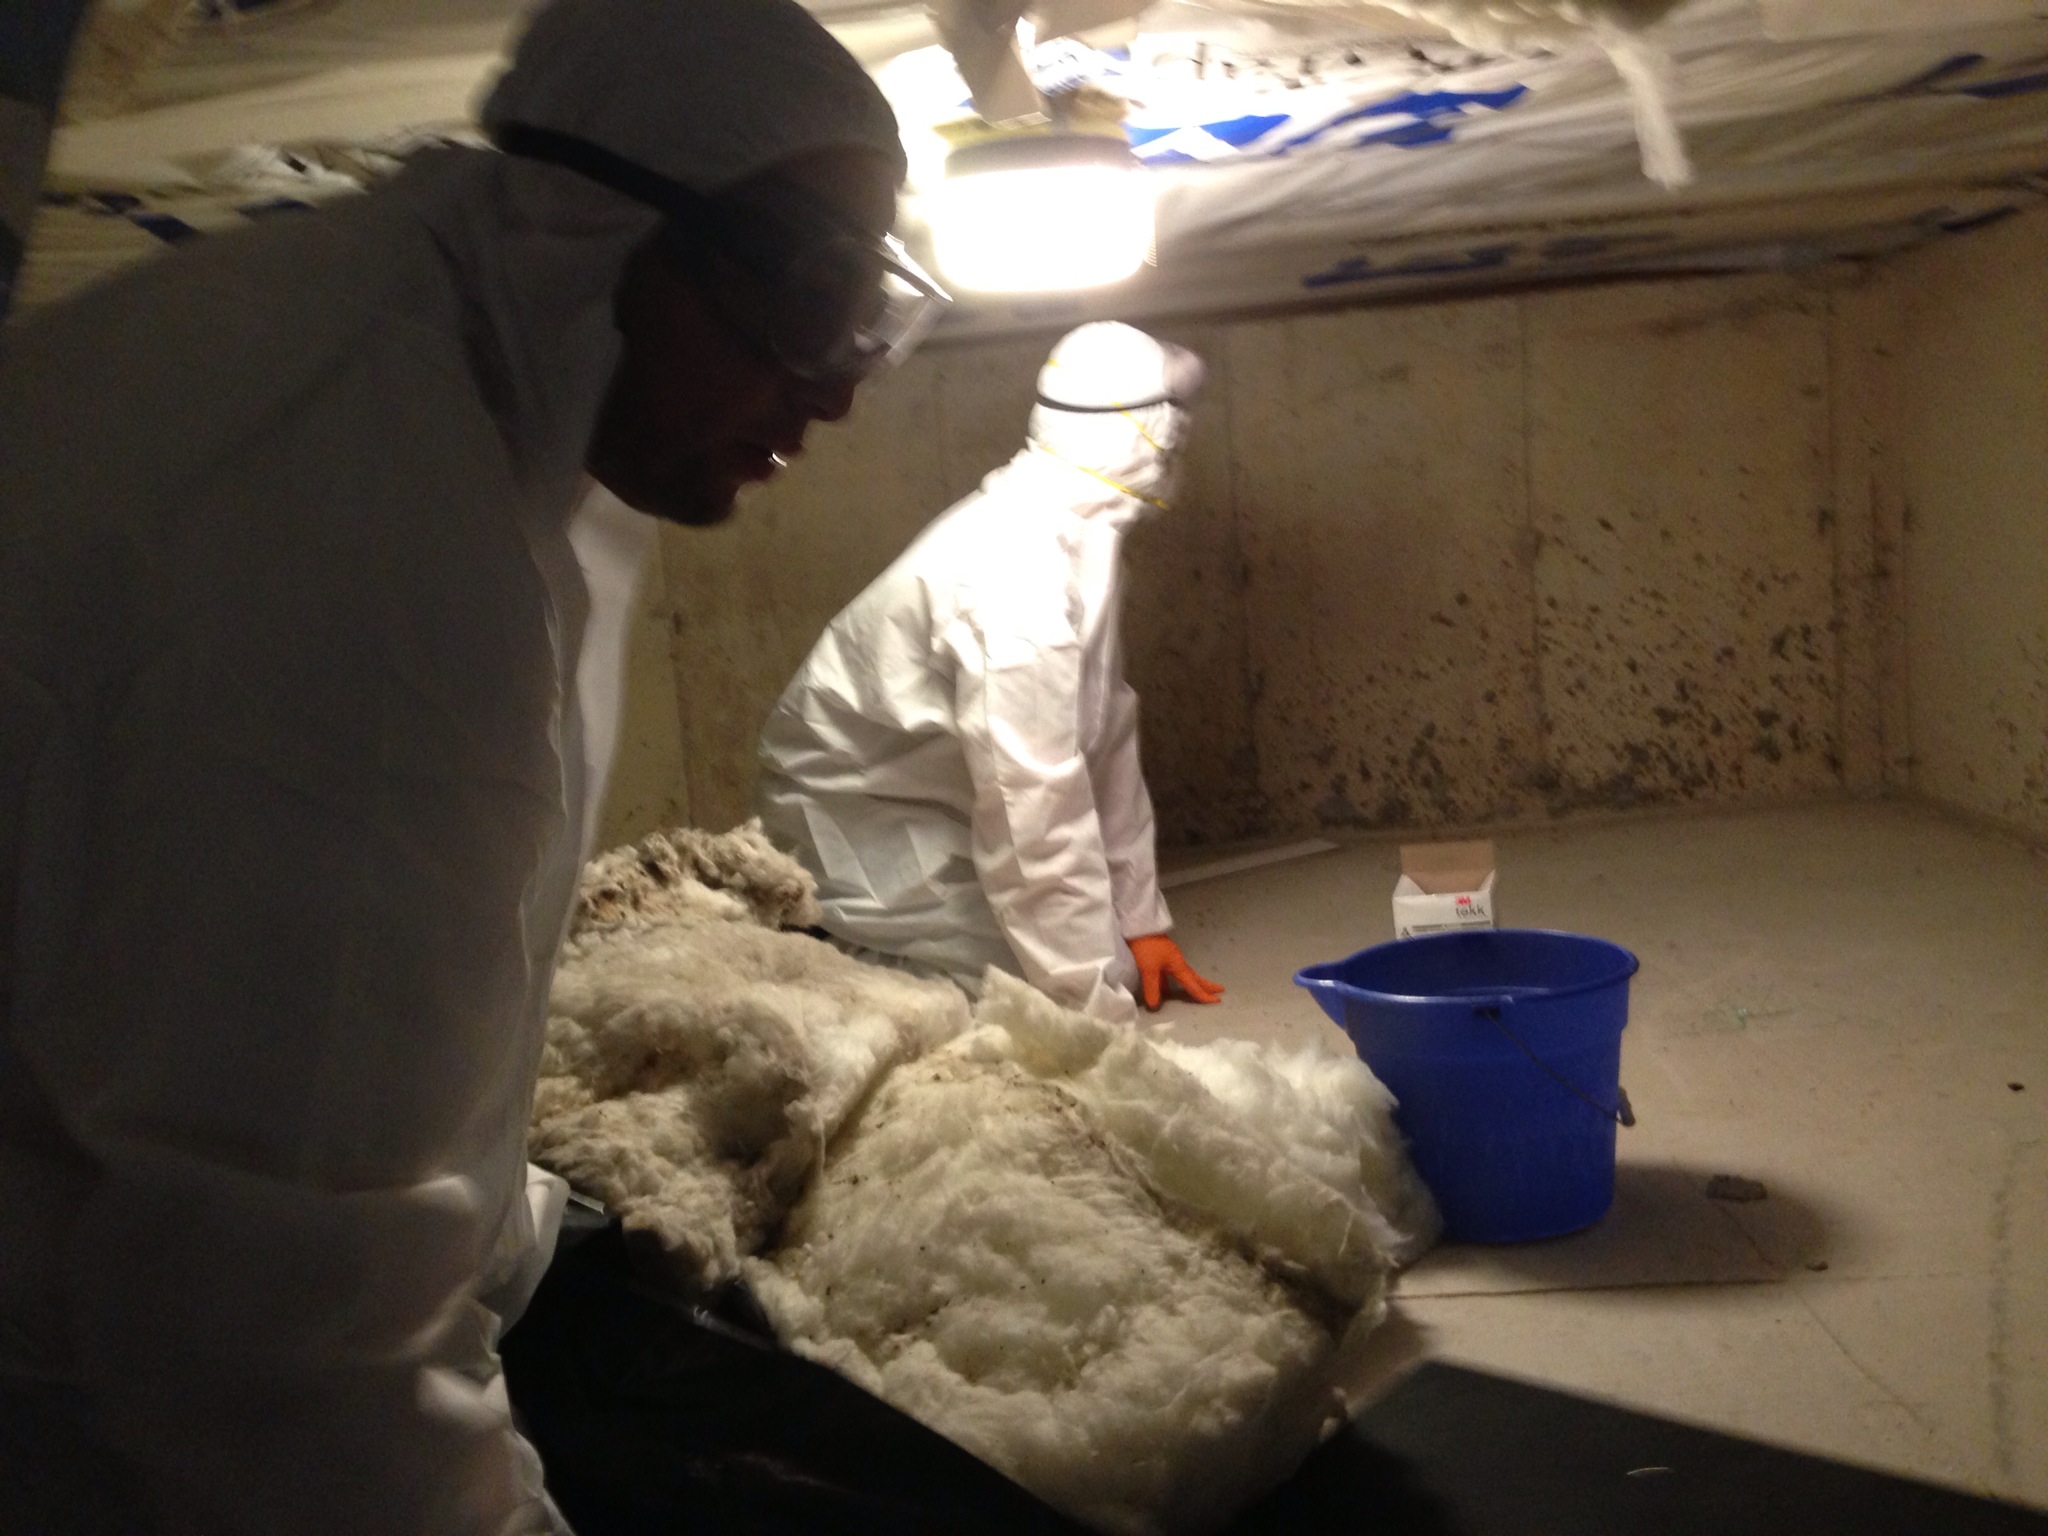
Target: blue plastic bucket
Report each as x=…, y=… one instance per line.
x=1503, y=1047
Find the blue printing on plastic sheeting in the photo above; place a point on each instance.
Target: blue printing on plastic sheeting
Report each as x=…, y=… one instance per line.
x=274, y=205
x=1942, y=80
x=1359, y=269
x=228, y=10
x=1430, y=109
x=1998, y=90
x=1235, y=132
x=1585, y=247
x=1436, y=114
x=166, y=227
x=1966, y=222
x=1408, y=135
x=1240, y=131
x=1954, y=64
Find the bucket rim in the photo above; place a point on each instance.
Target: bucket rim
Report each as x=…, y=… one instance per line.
x=1309, y=977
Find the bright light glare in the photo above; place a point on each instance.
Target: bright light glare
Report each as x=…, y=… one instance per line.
x=1045, y=228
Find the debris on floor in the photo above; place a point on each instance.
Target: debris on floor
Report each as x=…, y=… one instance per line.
x=1735, y=1189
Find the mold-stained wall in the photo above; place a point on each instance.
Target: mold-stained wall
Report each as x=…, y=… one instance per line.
x=1972, y=455
x=1380, y=487
x=1430, y=565
x=1681, y=500
x=1520, y=556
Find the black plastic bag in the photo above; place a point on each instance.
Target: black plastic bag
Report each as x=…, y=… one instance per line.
x=655, y=1416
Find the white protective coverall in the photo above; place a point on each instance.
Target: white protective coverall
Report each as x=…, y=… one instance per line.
x=957, y=759
x=294, y=795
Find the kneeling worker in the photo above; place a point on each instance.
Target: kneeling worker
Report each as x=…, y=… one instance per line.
x=957, y=760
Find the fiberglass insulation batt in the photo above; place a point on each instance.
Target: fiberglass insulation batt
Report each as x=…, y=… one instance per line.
x=1121, y=1271
x=697, y=1060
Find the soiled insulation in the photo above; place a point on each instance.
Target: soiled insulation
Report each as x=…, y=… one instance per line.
x=1056, y=1246
x=1121, y=1271
x=697, y=1059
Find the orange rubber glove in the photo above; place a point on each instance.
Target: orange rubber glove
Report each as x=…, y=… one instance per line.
x=1159, y=959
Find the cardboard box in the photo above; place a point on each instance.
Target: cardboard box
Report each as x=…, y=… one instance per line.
x=1443, y=886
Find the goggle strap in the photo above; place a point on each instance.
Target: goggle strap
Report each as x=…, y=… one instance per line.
x=676, y=202
x=601, y=165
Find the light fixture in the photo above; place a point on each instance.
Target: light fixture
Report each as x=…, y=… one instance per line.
x=1035, y=211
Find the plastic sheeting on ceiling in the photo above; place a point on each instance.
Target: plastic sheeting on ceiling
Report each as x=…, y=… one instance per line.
x=1311, y=152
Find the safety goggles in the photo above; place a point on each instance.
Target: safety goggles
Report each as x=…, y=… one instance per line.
x=822, y=300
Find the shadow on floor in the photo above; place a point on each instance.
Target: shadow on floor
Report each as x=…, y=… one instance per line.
x=1456, y=1452
x=1351, y=1484
x=1664, y=1228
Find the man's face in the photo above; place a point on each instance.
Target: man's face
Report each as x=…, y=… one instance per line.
x=696, y=410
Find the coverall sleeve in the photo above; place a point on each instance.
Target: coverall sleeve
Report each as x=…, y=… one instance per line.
x=285, y=1026
x=1125, y=806
x=1037, y=839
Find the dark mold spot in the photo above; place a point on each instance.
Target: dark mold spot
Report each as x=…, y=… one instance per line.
x=1336, y=810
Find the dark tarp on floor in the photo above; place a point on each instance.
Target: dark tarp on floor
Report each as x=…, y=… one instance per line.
x=652, y=1416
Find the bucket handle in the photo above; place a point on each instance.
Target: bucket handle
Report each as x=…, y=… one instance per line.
x=1624, y=1115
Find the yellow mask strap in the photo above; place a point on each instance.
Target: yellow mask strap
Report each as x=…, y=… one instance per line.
x=1115, y=485
x=1127, y=416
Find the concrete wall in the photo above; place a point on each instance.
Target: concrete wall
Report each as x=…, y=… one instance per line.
x=1516, y=557
x=1971, y=432
x=649, y=786
x=1464, y=562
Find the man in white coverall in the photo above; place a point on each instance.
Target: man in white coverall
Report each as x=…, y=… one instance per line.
x=295, y=755
x=957, y=760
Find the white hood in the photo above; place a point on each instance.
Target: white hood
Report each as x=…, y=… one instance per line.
x=715, y=90
x=1112, y=405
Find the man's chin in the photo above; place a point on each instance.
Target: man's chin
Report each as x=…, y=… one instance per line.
x=695, y=504
x=699, y=512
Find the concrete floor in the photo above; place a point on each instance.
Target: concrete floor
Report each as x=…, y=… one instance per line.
x=1848, y=1002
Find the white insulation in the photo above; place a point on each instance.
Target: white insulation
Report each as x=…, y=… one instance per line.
x=1303, y=151
x=1123, y=1271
